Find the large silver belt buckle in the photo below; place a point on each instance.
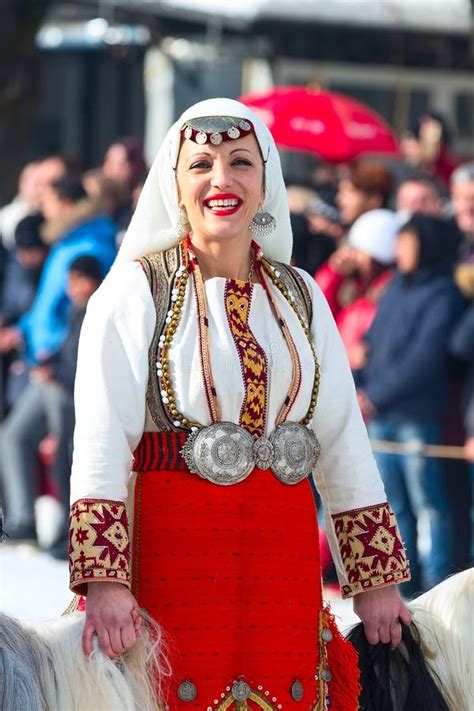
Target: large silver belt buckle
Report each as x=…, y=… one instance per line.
x=225, y=453
x=221, y=453
x=296, y=449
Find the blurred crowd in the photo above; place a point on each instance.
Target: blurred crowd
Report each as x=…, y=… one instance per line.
x=59, y=237
x=391, y=247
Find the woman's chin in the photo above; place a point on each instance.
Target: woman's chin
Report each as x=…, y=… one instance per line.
x=223, y=230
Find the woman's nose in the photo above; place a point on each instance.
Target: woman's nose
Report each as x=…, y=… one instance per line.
x=221, y=175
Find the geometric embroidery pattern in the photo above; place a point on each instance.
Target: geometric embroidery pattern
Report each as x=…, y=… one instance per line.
x=371, y=548
x=253, y=361
x=99, y=546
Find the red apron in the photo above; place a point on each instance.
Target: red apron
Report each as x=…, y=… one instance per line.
x=232, y=574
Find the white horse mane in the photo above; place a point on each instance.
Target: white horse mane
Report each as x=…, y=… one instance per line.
x=45, y=669
x=444, y=617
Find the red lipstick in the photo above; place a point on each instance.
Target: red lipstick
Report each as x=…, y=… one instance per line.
x=223, y=204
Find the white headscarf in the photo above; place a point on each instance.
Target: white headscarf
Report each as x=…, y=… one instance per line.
x=153, y=227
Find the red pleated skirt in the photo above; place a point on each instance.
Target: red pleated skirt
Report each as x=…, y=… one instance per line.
x=232, y=574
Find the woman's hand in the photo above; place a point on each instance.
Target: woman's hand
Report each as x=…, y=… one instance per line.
x=381, y=611
x=111, y=613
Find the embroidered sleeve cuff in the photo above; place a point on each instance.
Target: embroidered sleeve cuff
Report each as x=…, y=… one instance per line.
x=99, y=547
x=371, y=549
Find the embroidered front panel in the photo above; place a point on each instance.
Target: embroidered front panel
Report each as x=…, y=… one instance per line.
x=371, y=548
x=238, y=296
x=99, y=546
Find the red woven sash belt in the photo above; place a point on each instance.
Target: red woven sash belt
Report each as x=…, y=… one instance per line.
x=160, y=450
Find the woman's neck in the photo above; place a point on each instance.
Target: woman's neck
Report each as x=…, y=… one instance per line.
x=231, y=260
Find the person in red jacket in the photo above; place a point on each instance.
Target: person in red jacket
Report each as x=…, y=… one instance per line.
x=357, y=274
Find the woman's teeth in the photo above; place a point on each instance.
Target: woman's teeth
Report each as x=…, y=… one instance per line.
x=228, y=202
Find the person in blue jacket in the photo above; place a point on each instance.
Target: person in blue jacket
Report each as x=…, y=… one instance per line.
x=74, y=228
x=403, y=386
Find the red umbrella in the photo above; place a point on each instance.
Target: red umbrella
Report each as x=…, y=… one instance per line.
x=335, y=126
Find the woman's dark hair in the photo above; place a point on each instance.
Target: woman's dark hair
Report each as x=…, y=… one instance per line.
x=439, y=239
x=135, y=157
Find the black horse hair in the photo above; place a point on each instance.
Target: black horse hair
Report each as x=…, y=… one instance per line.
x=395, y=680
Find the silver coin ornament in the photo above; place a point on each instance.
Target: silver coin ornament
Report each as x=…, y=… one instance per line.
x=326, y=634
x=201, y=138
x=296, y=452
x=187, y=691
x=326, y=674
x=297, y=690
x=240, y=690
x=233, y=132
x=221, y=453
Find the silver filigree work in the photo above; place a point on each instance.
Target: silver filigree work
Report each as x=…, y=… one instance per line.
x=297, y=450
x=262, y=224
x=263, y=451
x=221, y=453
x=226, y=453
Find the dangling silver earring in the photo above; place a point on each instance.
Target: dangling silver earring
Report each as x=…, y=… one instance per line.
x=182, y=224
x=262, y=224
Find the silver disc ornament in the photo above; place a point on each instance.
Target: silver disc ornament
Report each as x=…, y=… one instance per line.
x=221, y=453
x=296, y=451
x=263, y=452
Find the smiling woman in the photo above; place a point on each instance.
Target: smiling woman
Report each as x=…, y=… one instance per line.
x=221, y=188
x=214, y=371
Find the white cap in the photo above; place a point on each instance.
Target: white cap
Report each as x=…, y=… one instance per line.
x=375, y=233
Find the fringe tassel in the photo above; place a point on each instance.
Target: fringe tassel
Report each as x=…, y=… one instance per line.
x=342, y=659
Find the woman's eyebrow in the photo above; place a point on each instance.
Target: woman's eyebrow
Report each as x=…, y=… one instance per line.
x=201, y=154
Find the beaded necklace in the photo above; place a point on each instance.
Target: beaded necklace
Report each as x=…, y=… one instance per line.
x=266, y=272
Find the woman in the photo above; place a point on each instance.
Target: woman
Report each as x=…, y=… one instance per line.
x=124, y=164
x=356, y=275
x=177, y=348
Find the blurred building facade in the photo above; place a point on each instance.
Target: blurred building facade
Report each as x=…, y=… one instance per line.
x=112, y=68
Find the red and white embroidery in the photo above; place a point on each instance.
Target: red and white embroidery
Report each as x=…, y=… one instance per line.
x=371, y=548
x=253, y=361
x=99, y=547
